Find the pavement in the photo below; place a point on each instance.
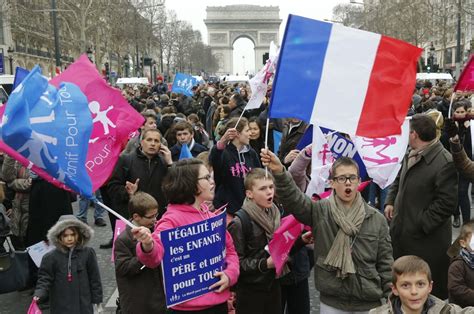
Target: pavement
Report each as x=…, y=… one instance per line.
x=18, y=302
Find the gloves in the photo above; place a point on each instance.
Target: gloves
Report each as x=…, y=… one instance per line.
x=451, y=128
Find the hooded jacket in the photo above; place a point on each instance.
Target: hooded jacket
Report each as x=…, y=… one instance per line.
x=178, y=215
x=70, y=277
x=230, y=169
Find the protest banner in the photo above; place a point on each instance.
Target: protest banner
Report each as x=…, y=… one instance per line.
x=192, y=255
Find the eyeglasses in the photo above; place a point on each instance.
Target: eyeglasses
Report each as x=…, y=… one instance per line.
x=155, y=216
x=206, y=177
x=343, y=179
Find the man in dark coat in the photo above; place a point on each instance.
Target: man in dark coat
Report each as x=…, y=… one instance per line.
x=292, y=133
x=421, y=201
x=237, y=106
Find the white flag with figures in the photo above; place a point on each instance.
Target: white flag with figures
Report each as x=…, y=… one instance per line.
x=382, y=157
x=321, y=162
x=259, y=83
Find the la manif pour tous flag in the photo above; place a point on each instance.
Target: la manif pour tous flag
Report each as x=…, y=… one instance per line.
x=344, y=79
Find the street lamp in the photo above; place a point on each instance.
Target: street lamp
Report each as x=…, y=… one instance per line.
x=355, y=2
x=90, y=55
x=431, y=57
x=243, y=60
x=10, y=58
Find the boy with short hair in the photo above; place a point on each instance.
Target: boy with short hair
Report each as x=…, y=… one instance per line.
x=411, y=287
x=353, y=252
x=140, y=288
x=258, y=291
x=185, y=136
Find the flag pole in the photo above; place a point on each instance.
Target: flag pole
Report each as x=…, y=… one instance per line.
x=113, y=212
x=266, y=143
x=451, y=104
x=241, y=115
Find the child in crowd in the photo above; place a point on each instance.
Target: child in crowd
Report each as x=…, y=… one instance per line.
x=185, y=136
x=411, y=288
x=140, y=288
x=353, y=253
x=461, y=270
x=69, y=274
x=258, y=291
x=232, y=158
x=187, y=186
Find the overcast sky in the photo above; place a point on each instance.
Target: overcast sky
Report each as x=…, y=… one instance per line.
x=194, y=11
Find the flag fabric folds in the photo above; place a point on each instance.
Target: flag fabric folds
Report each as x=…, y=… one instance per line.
x=185, y=152
x=183, y=84
x=113, y=118
x=382, y=156
x=49, y=128
x=345, y=79
x=20, y=75
x=466, y=79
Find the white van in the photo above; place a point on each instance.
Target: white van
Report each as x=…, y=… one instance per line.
x=6, y=85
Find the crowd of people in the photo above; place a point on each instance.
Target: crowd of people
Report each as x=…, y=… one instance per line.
x=377, y=251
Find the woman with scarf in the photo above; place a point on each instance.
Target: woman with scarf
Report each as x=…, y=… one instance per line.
x=353, y=252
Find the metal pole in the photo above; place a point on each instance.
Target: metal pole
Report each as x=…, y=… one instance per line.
x=458, y=43
x=57, y=53
x=10, y=58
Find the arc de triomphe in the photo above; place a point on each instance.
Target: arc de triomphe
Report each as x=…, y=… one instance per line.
x=226, y=24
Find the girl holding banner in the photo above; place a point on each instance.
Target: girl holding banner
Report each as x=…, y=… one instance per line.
x=187, y=186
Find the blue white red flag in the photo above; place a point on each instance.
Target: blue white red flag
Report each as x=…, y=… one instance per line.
x=344, y=79
x=50, y=129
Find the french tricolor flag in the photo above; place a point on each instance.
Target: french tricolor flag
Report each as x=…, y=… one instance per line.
x=344, y=79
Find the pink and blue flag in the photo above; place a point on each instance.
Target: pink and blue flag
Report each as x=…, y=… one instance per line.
x=112, y=116
x=47, y=130
x=344, y=79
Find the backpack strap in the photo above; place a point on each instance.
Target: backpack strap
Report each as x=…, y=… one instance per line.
x=246, y=223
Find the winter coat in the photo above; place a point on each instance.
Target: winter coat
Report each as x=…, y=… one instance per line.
x=254, y=273
x=46, y=204
x=461, y=282
x=84, y=289
x=140, y=289
x=463, y=163
x=18, y=179
x=438, y=307
x=230, y=168
x=178, y=215
x=371, y=250
x=424, y=197
x=196, y=149
x=131, y=167
x=289, y=141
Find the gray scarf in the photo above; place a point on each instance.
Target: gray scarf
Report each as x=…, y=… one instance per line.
x=268, y=218
x=349, y=221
